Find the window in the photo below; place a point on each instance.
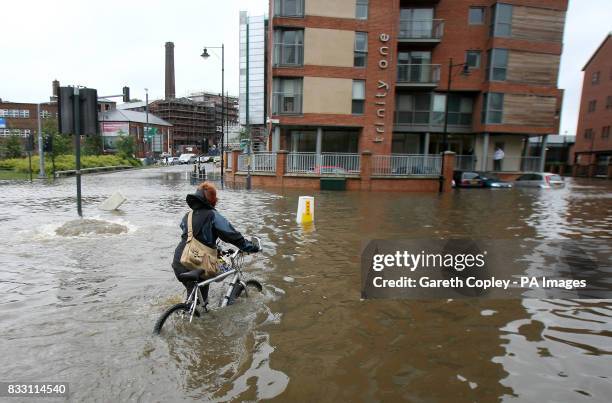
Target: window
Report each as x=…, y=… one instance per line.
x=361, y=10
x=289, y=8
x=429, y=109
x=418, y=23
x=501, y=20
x=605, y=132
x=361, y=49
x=472, y=59
x=287, y=96
x=493, y=108
x=498, y=64
x=416, y=67
x=476, y=16
x=588, y=134
x=595, y=78
x=288, y=47
x=609, y=102
x=592, y=106
x=358, y=107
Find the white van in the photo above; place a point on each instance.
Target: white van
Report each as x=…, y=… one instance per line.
x=186, y=158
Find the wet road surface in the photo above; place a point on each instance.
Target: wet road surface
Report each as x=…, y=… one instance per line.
x=81, y=308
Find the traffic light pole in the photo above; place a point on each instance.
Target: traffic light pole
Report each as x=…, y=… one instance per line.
x=77, y=146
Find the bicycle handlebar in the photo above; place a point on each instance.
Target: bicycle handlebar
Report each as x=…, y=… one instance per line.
x=238, y=251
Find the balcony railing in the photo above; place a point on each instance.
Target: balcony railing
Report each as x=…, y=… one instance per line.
x=288, y=54
x=421, y=29
x=260, y=162
x=465, y=162
x=286, y=104
x=418, y=73
x=327, y=164
x=514, y=164
x=406, y=164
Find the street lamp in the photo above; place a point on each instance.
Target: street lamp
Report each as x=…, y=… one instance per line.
x=465, y=71
x=146, y=130
x=205, y=55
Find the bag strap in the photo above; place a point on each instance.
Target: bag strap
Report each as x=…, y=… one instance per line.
x=190, y=226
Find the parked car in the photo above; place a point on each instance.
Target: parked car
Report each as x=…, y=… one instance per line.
x=205, y=158
x=172, y=160
x=542, y=180
x=490, y=180
x=216, y=159
x=467, y=179
x=187, y=159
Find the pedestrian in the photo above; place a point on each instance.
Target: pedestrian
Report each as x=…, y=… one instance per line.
x=498, y=156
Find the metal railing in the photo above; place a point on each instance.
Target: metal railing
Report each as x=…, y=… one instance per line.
x=230, y=160
x=514, y=164
x=418, y=73
x=406, y=164
x=260, y=162
x=323, y=164
x=288, y=54
x=465, y=162
x=421, y=29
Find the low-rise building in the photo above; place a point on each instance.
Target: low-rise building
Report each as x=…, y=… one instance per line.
x=593, y=153
x=117, y=123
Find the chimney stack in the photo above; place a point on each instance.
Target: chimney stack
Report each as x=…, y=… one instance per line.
x=170, y=91
x=54, y=90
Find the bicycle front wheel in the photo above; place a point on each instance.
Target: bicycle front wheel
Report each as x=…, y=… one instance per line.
x=175, y=316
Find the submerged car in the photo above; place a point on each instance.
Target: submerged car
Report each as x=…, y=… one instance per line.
x=491, y=180
x=473, y=179
x=542, y=180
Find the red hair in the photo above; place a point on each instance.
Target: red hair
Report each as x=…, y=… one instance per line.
x=209, y=191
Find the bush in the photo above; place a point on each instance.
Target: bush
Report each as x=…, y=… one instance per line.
x=66, y=163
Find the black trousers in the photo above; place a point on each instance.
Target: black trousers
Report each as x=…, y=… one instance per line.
x=180, y=269
x=497, y=165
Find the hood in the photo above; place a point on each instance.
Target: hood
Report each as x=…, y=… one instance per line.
x=198, y=201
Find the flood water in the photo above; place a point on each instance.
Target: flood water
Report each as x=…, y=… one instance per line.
x=81, y=308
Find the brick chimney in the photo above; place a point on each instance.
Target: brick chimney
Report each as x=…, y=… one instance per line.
x=170, y=91
x=54, y=90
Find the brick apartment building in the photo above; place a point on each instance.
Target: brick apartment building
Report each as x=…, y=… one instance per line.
x=356, y=75
x=19, y=118
x=593, y=151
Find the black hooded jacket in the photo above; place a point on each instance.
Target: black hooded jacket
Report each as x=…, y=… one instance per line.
x=208, y=225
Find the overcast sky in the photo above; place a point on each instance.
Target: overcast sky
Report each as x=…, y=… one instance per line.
x=111, y=43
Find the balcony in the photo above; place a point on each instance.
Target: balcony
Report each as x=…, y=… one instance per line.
x=418, y=75
x=421, y=31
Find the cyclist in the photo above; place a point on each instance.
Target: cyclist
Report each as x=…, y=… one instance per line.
x=208, y=225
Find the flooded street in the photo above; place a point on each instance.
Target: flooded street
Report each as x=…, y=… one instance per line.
x=81, y=308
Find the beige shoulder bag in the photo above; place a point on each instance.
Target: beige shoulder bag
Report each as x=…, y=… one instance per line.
x=196, y=255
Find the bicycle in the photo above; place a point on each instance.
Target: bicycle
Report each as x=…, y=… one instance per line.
x=185, y=311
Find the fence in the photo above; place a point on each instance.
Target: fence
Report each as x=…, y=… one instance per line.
x=260, y=162
x=515, y=164
x=421, y=29
x=406, y=164
x=324, y=164
x=418, y=73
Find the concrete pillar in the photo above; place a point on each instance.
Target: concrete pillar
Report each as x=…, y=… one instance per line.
x=543, y=153
x=426, y=144
x=319, y=145
x=485, y=152
x=276, y=139
x=592, y=170
x=366, y=170
x=448, y=168
x=610, y=170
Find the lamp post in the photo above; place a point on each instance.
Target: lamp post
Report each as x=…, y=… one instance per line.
x=465, y=71
x=205, y=56
x=146, y=134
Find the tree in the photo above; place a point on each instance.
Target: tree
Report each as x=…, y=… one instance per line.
x=125, y=145
x=93, y=145
x=62, y=144
x=13, y=146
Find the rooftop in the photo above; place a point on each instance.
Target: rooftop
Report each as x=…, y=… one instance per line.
x=131, y=116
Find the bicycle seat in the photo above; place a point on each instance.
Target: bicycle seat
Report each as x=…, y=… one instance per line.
x=193, y=275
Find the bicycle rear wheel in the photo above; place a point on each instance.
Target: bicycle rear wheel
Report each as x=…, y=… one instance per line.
x=175, y=315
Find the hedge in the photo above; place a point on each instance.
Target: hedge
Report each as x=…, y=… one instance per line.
x=66, y=162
